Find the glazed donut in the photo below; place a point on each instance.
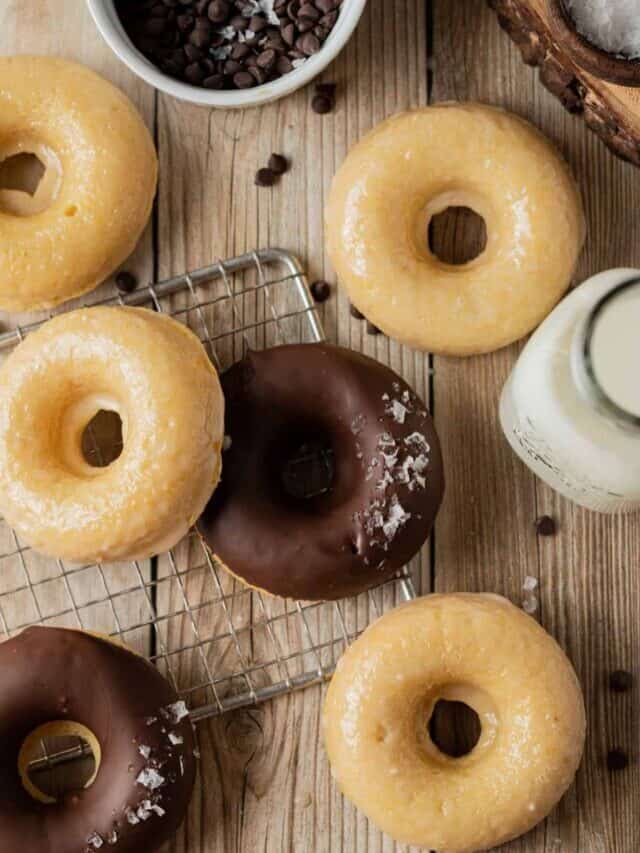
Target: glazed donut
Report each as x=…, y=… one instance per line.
x=488, y=654
x=475, y=649
x=420, y=163
x=154, y=373
x=95, y=196
x=386, y=479
x=138, y=730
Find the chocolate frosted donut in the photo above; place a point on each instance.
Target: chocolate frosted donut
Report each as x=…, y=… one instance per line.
x=383, y=481
x=58, y=681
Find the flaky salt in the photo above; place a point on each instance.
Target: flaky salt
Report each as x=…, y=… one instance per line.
x=613, y=25
x=150, y=778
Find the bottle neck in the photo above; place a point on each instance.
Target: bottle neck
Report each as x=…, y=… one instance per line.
x=605, y=355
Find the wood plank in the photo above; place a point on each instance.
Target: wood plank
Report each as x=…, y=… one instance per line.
x=486, y=539
x=51, y=27
x=267, y=784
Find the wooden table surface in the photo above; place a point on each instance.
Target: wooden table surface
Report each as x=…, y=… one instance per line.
x=265, y=783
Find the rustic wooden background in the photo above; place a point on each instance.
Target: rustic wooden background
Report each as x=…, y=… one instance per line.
x=265, y=783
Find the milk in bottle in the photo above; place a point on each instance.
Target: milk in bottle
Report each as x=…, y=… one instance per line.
x=571, y=407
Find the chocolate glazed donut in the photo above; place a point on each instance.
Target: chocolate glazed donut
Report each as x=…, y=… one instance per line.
x=146, y=769
x=387, y=478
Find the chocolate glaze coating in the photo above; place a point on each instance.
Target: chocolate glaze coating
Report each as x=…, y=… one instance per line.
x=388, y=478
x=49, y=674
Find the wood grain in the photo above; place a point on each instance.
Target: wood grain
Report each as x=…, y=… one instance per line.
x=486, y=537
x=265, y=783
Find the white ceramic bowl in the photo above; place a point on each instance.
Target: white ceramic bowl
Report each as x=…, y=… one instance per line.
x=108, y=22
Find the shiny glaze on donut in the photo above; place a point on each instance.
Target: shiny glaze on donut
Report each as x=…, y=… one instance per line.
x=388, y=478
x=50, y=674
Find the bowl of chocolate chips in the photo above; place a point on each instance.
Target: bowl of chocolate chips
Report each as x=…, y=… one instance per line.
x=227, y=53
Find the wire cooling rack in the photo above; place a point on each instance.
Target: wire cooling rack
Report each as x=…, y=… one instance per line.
x=222, y=645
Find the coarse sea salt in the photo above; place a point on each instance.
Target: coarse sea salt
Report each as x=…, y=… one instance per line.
x=150, y=778
x=613, y=25
x=176, y=712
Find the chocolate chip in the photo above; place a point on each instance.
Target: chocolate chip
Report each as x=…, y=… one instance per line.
x=185, y=23
x=308, y=44
x=257, y=24
x=200, y=38
x=329, y=20
x=193, y=53
x=278, y=164
x=243, y=80
x=326, y=89
x=240, y=50
x=321, y=104
x=265, y=178
x=216, y=81
x=617, y=759
x=267, y=59
x=545, y=526
x=239, y=23
x=289, y=34
x=355, y=313
x=237, y=39
x=284, y=65
x=258, y=74
x=218, y=11
x=126, y=282
x=193, y=74
x=621, y=681
x=321, y=290
x=373, y=330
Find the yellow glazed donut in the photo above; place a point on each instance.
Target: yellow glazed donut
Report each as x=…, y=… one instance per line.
x=476, y=649
x=95, y=196
x=418, y=164
x=155, y=374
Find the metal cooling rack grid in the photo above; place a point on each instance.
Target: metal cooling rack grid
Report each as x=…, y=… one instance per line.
x=223, y=645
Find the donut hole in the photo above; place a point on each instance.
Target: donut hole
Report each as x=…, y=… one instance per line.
x=305, y=464
x=454, y=728
x=57, y=760
x=457, y=235
x=29, y=181
x=102, y=440
x=22, y=172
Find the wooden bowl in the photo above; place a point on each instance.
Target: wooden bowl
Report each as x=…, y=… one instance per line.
x=607, y=66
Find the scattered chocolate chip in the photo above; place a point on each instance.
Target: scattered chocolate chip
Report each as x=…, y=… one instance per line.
x=321, y=104
x=126, y=282
x=617, y=759
x=621, y=681
x=373, y=330
x=321, y=290
x=278, y=164
x=265, y=178
x=326, y=89
x=355, y=313
x=233, y=43
x=546, y=526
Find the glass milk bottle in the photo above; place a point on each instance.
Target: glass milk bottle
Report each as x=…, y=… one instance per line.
x=571, y=407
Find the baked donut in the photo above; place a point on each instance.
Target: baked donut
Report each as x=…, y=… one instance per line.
x=479, y=650
x=95, y=196
x=154, y=373
x=416, y=165
x=76, y=683
x=350, y=529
